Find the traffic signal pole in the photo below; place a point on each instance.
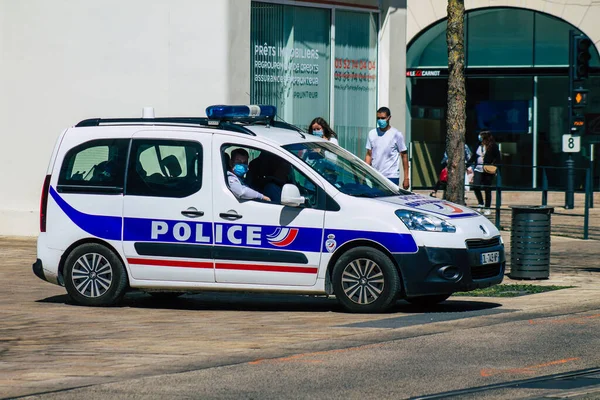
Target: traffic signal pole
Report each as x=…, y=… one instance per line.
x=570, y=190
x=579, y=57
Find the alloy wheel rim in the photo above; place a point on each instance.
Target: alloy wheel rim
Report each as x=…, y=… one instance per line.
x=92, y=275
x=363, y=281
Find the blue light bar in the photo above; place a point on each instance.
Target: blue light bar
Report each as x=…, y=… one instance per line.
x=226, y=112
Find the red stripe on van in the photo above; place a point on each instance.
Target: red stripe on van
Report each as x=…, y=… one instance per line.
x=228, y=266
x=267, y=268
x=170, y=263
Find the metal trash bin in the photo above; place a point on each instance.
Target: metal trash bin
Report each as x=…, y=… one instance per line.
x=530, y=242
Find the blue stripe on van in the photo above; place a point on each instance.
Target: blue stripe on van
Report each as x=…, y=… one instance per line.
x=305, y=240
x=257, y=236
x=394, y=242
x=101, y=226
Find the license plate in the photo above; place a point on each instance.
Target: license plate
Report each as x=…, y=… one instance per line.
x=490, y=258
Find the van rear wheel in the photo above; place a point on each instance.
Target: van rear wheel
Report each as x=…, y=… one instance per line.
x=365, y=280
x=95, y=276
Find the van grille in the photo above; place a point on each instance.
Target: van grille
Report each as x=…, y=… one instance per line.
x=482, y=243
x=485, y=271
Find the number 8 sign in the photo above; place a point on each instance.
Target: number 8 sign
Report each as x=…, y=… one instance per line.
x=571, y=144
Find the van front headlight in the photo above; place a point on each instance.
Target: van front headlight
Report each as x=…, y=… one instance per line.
x=416, y=221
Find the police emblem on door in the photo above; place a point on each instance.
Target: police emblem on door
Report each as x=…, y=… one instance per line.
x=330, y=244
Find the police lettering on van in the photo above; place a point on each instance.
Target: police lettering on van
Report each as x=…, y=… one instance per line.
x=229, y=234
x=145, y=204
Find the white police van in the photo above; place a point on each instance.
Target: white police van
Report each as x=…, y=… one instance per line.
x=145, y=204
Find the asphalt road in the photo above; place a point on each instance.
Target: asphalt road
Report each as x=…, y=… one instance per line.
x=397, y=369
x=259, y=346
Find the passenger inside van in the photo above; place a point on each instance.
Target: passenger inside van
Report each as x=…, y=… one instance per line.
x=278, y=176
x=103, y=171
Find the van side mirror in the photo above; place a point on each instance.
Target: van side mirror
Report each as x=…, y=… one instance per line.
x=290, y=196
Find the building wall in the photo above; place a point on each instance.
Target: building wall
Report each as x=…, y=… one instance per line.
x=61, y=62
x=584, y=14
x=68, y=60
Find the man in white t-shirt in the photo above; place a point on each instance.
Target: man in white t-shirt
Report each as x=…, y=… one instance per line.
x=385, y=146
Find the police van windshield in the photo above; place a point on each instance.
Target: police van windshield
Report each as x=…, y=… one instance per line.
x=343, y=170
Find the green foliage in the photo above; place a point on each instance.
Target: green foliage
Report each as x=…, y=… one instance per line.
x=510, y=290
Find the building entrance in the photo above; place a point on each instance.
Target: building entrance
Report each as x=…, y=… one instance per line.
x=517, y=87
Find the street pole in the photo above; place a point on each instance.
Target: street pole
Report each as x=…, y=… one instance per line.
x=591, y=205
x=570, y=192
x=569, y=195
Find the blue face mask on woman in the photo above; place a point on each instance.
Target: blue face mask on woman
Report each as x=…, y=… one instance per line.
x=318, y=133
x=382, y=123
x=479, y=137
x=240, y=169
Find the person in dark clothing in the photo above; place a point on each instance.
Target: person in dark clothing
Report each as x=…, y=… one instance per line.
x=278, y=176
x=442, y=181
x=485, y=159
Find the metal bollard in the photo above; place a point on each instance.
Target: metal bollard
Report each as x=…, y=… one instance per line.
x=498, y=197
x=591, y=201
x=544, y=187
x=570, y=192
x=586, y=215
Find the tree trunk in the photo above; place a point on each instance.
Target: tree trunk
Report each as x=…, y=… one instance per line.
x=456, y=115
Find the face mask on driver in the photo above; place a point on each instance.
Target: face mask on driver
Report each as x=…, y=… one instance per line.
x=318, y=133
x=240, y=169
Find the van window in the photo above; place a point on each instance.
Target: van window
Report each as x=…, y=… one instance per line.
x=268, y=173
x=343, y=170
x=96, y=166
x=164, y=168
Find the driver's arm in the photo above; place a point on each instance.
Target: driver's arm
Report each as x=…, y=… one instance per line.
x=369, y=157
x=242, y=191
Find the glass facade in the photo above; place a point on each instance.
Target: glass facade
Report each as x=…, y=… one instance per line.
x=290, y=56
x=499, y=37
x=298, y=64
x=430, y=50
x=355, y=78
x=490, y=39
x=517, y=87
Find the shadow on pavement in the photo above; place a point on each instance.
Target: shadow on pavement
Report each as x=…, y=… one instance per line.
x=272, y=303
x=448, y=306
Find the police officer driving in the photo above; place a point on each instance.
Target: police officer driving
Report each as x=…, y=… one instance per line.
x=235, y=177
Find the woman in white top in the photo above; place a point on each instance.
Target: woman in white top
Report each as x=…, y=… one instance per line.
x=319, y=127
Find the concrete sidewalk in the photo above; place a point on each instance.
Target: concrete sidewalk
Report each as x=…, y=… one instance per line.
x=573, y=262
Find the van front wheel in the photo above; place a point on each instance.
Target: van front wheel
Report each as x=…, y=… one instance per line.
x=95, y=276
x=365, y=280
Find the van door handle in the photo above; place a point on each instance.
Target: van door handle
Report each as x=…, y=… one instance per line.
x=192, y=212
x=231, y=215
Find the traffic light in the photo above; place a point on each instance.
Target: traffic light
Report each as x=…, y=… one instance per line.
x=581, y=57
x=580, y=98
